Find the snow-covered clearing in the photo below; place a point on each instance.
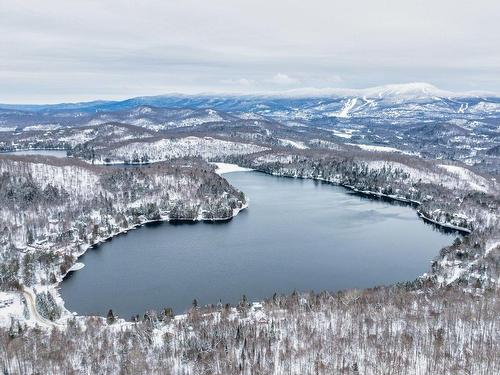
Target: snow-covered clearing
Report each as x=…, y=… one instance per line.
x=457, y=177
x=41, y=127
x=11, y=307
x=342, y=135
x=165, y=149
x=295, y=144
x=475, y=182
x=456, y=269
x=375, y=148
x=228, y=168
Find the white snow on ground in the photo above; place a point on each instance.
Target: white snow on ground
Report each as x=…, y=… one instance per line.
x=456, y=271
x=295, y=144
x=326, y=144
x=344, y=112
x=165, y=149
x=457, y=177
x=463, y=107
x=485, y=107
x=249, y=116
x=375, y=148
x=228, y=168
x=81, y=183
x=342, y=135
x=381, y=149
x=11, y=306
x=80, y=137
x=274, y=158
x=209, y=115
x=41, y=127
x=490, y=246
x=68, y=177
x=77, y=266
x=475, y=182
x=345, y=133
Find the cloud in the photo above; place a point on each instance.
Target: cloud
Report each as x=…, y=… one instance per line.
x=239, y=82
x=115, y=48
x=283, y=79
x=332, y=78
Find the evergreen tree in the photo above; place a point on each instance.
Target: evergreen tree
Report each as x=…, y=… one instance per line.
x=110, y=318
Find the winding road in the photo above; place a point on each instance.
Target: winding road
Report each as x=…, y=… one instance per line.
x=30, y=301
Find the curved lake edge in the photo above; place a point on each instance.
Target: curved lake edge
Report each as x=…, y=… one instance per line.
x=166, y=219
x=367, y=193
x=34, y=150
x=379, y=196
x=348, y=190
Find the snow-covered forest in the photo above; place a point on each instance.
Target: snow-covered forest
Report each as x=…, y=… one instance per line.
x=166, y=149
x=407, y=329
x=52, y=210
x=250, y=187
x=448, y=194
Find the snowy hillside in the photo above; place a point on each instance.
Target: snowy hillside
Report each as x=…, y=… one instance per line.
x=449, y=195
x=52, y=209
x=410, y=144
x=416, y=118
x=167, y=149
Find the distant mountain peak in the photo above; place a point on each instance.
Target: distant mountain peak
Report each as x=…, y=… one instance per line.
x=391, y=93
x=413, y=89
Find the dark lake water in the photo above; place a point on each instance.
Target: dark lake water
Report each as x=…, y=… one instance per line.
x=296, y=234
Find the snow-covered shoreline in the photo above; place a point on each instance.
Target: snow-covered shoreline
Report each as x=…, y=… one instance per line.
x=33, y=149
x=78, y=265
x=17, y=309
x=375, y=194
x=444, y=225
x=222, y=168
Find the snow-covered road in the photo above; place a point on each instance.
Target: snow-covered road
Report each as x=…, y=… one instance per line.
x=30, y=301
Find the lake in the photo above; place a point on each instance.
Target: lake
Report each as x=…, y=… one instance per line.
x=56, y=153
x=296, y=235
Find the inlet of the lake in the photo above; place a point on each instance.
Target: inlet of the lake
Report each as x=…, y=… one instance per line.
x=55, y=153
x=296, y=235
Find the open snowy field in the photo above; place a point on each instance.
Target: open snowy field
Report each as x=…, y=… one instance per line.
x=223, y=168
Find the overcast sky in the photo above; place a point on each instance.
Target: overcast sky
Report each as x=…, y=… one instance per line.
x=55, y=50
